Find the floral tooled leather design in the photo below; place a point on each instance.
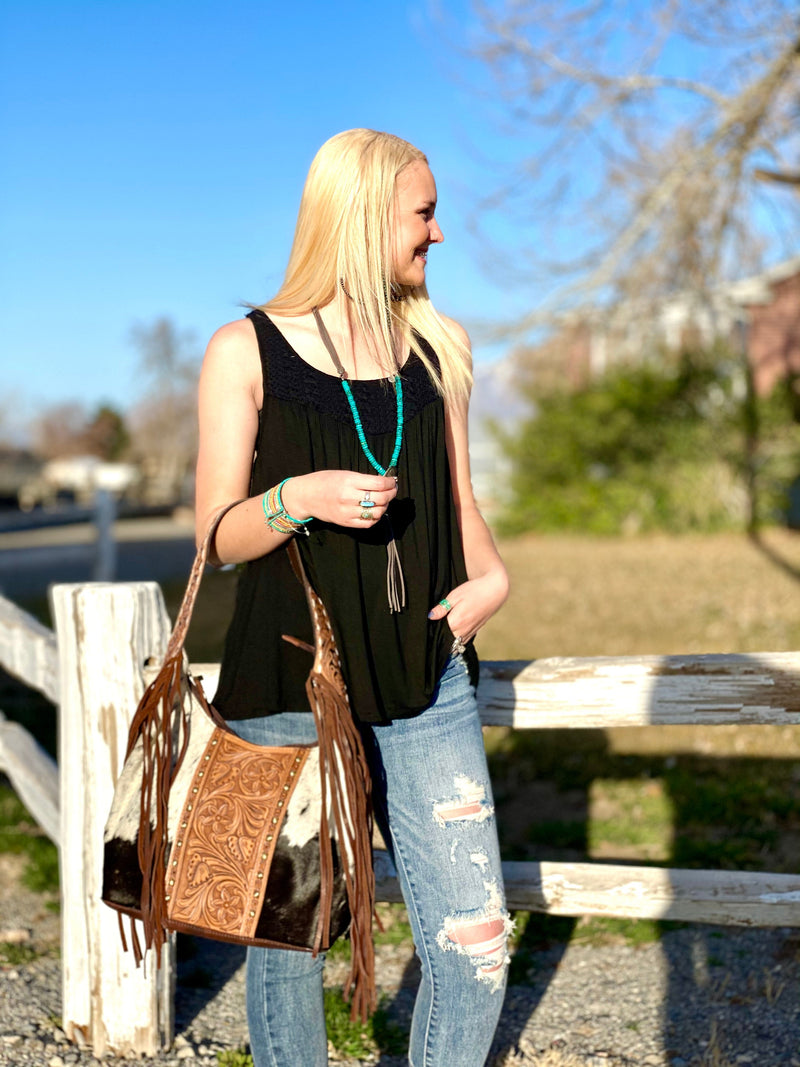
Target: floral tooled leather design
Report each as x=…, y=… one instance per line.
x=234, y=788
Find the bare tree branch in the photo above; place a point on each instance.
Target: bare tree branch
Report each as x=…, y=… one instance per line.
x=652, y=126
x=776, y=176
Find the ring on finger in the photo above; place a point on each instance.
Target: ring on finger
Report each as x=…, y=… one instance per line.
x=446, y=603
x=458, y=647
x=367, y=515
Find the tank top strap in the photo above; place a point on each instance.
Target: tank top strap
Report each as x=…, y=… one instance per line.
x=267, y=336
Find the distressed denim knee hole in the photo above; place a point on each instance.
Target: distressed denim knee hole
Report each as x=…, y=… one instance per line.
x=469, y=803
x=481, y=935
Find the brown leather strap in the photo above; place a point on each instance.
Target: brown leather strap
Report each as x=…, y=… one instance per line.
x=328, y=342
x=179, y=630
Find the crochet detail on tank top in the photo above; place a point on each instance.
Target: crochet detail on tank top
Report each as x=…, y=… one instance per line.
x=289, y=378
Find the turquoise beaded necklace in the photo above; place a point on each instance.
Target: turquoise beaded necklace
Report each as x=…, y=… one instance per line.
x=395, y=583
x=351, y=400
x=398, y=439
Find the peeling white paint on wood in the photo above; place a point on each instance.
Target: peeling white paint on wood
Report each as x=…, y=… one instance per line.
x=605, y=691
x=28, y=650
x=105, y=634
x=733, y=898
x=728, y=898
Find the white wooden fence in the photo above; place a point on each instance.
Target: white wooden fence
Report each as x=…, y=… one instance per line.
x=92, y=669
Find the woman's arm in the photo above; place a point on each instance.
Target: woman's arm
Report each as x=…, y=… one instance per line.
x=230, y=398
x=476, y=600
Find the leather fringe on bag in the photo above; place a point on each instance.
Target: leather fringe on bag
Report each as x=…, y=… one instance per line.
x=158, y=741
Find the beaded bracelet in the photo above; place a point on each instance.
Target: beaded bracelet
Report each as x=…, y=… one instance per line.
x=275, y=514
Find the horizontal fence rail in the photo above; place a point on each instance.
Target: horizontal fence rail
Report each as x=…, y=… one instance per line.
x=725, y=898
x=605, y=691
x=28, y=651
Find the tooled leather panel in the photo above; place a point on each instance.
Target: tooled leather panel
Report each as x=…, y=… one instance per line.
x=227, y=834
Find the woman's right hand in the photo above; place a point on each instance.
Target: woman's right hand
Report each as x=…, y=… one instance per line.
x=335, y=497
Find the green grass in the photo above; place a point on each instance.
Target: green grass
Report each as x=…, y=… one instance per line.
x=599, y=930
x=396, y=927
x=19, y=834
x=396, y=931
x=17, y=955
x=234, y=1057
x=638, y=814
x=357, y=1039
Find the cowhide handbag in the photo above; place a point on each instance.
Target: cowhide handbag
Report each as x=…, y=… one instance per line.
x=209, y=834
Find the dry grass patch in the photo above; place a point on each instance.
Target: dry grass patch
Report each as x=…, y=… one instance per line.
x=593, y=596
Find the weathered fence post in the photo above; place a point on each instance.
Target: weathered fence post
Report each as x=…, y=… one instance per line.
x=105, y=633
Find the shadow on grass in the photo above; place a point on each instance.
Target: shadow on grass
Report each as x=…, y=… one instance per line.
x=755, y=538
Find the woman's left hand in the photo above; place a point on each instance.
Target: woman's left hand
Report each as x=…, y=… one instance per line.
x=473, y=603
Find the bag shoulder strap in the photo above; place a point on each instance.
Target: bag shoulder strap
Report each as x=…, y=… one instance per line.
x=184, y=617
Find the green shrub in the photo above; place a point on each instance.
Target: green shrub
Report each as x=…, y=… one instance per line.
x=657, y=446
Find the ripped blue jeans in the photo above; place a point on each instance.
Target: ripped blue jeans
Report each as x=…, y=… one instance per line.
x=433, y=803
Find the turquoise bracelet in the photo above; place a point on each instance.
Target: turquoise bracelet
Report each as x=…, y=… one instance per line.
x=275, y=514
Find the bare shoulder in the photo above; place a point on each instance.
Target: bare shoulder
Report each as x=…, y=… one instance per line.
x=457, y=330
x=233, y=349
x=233, y=340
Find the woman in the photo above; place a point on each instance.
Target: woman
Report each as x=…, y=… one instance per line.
x=338, y=410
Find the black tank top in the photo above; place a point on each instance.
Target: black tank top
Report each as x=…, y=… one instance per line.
x=391, y=661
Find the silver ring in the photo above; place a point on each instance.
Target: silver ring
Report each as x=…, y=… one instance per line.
x=458, y=648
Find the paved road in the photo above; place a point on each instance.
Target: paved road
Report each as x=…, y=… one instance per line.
x=147, y=549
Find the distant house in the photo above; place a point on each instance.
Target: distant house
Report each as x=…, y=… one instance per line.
x=17, y=466
x=77, y=478
x=761, y=313
x=771, y=303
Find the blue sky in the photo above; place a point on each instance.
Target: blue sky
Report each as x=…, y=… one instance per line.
x=153, y=156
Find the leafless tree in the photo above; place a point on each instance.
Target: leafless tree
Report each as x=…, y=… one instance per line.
x=163, y=425
x=60, y=431
x=641, y=131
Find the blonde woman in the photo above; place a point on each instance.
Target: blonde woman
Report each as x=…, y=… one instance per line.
x=338, y=411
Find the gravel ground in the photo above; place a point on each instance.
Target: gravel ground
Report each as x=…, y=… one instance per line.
x=701, y=997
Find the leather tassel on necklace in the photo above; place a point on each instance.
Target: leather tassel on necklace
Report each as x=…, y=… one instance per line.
x=395, y=582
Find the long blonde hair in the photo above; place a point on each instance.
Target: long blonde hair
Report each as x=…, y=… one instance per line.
x=344, y=233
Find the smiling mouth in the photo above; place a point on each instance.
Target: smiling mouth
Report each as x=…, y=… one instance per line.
x=421, y=253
